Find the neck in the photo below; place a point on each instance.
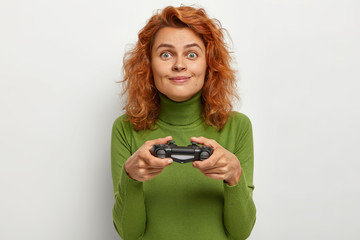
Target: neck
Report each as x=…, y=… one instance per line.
x=180, y=113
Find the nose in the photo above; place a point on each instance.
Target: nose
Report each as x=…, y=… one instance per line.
x=179, y=65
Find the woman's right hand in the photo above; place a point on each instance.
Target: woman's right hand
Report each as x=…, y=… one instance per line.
x=142, y=165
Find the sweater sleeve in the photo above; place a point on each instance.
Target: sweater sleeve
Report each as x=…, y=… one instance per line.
x=239, y=207
x=129, y=215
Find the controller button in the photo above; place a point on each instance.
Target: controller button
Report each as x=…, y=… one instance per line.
x=204, y=155
x=161, y=153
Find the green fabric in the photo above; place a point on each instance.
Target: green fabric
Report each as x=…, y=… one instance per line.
x=182, y=203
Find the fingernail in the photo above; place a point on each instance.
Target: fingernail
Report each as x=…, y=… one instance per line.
x=194, y=164
x=170, y=161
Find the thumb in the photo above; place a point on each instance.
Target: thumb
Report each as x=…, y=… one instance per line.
x=161, y=140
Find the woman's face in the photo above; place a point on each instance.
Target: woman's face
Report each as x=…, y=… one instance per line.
x=178, y=63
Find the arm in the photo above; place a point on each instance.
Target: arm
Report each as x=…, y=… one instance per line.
x=129, y=171
x=129, y=214
x=236, y=171
x=239, y=207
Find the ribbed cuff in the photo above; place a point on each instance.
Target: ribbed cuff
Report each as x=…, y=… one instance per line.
x=240, y=190
x=128, y=185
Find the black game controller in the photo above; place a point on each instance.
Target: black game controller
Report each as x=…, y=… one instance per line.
x=190, y=153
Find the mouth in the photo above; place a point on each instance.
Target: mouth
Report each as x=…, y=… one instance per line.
x=180, y=79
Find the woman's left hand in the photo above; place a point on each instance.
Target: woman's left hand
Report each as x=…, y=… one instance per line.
x=221, y=165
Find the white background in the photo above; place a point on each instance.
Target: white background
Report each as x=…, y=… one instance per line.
x=298, y=67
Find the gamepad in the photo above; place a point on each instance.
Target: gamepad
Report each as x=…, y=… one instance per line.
x=190, y=153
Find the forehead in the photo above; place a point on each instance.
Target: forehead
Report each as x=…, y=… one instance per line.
x=178, y=37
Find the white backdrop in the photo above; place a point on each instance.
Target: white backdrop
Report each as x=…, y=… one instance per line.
x=298, y=65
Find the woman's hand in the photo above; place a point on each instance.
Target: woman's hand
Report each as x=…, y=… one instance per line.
x=221, y=165
x=142, y=165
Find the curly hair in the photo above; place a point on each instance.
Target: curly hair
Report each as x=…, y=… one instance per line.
x=142, y=104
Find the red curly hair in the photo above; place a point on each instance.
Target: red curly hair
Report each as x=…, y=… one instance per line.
x=143, y=102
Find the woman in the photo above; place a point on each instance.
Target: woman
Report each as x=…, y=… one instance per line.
x=179, y=86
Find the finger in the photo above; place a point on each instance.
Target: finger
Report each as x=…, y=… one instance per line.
x=209, y=163
x=160, y=163
x=154, y=170
x=155, y=162
x=164, y=140
x=214, y=171
x=205, y=141
x=215, y=176
x=151, y=176
x=144, y=173
x=145, y=150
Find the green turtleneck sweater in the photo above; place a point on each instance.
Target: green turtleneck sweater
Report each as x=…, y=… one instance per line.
x=181, y=203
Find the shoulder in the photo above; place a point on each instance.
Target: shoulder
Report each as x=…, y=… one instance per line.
x=239, y=118
x=122, y=124
x=121, y=119
x=239, y=122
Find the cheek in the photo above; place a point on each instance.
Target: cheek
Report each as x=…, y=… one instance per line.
x=154, y=67
x=157, y=81
x=157, y=76
x=201, y=68
x=201, y=73
x=160, y=69
x=156, y=73
x=201, y=84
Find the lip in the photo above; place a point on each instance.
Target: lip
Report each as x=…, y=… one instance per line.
x=179, y=78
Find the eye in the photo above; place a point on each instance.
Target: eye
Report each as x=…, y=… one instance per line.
x=165, y=55
x=192, y=55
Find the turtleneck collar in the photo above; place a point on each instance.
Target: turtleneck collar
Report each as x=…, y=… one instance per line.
x=180, y=113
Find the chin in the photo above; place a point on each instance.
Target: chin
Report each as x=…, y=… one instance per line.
x=179, y=98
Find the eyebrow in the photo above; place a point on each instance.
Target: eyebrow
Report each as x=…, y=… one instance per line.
x=186, y=46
